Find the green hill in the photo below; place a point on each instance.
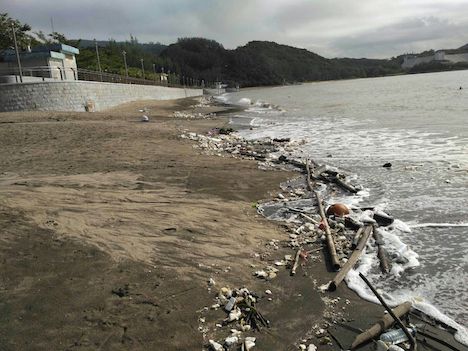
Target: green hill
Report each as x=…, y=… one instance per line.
x=266, y=63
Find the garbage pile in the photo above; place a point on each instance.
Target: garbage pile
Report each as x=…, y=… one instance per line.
x=193, y=115
x=240, y=315
x=204, y=101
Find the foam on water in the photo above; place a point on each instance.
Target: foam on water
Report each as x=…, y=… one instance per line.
x=438, y=225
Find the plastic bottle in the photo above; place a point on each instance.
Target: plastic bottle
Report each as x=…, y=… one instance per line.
x=230, y=304
x=396, y=336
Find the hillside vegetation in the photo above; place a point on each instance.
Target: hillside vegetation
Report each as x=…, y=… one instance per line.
x=266, y=63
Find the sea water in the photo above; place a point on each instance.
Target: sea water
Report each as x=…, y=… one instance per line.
x=419, y=123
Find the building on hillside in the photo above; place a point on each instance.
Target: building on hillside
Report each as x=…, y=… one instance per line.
x=439, y=56
x=47, y=62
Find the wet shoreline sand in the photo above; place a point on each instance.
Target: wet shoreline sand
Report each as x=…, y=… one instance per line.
x=112, y=229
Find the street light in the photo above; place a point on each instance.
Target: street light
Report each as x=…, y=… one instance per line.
x=142, y=68
x=17, y=53
x=98, y=59
x=124, y=53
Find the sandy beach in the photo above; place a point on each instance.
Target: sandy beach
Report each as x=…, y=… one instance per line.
x=112, y=228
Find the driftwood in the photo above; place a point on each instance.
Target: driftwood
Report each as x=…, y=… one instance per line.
x=321, y=172
x=356, y=237
x=296, y=262
x=310, y=219
x=410, y=337
x=352, y=259
x=381, y=253
x=309, y=176
x=344, y=185
x=330, y=244
x=382, y=325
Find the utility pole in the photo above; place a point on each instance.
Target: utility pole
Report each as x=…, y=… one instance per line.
x=98, y=59
x=17, y=53
x=124, y=53
x=154, y=71
x=142, y=68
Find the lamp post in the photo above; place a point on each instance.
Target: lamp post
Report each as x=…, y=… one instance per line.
x=17, y=53
x=124, y=53
x=143, y=68
x=98, y=59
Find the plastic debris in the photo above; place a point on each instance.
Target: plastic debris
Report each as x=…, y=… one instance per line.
x=249, y=342
x=216, y=346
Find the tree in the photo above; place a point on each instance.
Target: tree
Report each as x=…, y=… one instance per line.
x=23, y=38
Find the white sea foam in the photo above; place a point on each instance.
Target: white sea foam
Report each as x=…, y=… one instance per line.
x=438, y=225
x=244, y=102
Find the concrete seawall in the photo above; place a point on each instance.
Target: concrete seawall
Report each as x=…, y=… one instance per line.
x=82, y=95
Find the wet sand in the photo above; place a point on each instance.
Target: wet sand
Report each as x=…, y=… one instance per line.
x=111, y=229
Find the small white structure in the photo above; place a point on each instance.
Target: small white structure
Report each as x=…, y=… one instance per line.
x=42, y=63
x=440, y=56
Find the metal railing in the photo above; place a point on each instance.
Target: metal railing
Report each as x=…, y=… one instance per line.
x=46, y=73
x=41, y=72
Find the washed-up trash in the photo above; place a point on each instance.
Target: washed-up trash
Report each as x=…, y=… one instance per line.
x=396, y=336
x=230, y=304
x=231, y=340
x=387, y=165
x=383, y=219
x=144, y=118
x=338, y=209
x=312, y=347
x=249, y=342
x=261, y=274
x=216, y=346
x=234, y=315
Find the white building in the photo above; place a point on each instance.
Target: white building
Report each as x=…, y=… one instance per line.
x=440, y=56
x=48, y=62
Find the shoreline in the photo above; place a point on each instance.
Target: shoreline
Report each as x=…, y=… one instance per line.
x=439, y=317
x=136, y=222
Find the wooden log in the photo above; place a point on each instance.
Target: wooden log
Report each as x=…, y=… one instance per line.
x=356, y=237
x=381, y=253
x=344, y=185
x=382, y=325
x=320, y=173
x=410, y=337
x=310, y=219
x=352, y=259
x=296, y=262
x=330, y=244
x=309, y=176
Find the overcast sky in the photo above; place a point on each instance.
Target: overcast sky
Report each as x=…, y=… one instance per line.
x=332, y=28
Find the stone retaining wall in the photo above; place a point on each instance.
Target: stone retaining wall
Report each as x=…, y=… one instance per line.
x=82, y=95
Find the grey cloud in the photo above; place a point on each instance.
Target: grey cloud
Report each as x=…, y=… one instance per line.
x=374, y=28
x=411, y=35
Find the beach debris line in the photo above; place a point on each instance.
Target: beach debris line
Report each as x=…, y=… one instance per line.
x=342, y=232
